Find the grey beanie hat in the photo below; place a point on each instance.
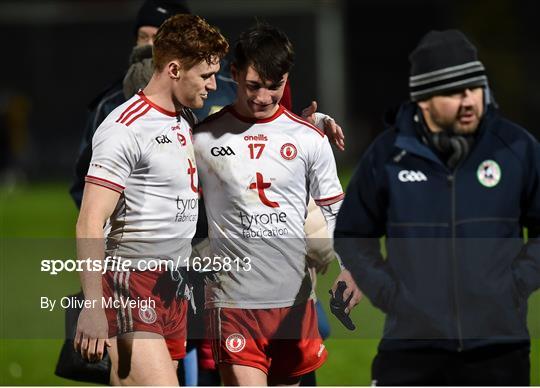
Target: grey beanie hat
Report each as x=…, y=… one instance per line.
x=442, y=62
x=140, y=70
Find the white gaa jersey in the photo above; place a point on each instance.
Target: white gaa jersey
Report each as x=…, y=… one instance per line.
x=257, y=176
x=145, y=153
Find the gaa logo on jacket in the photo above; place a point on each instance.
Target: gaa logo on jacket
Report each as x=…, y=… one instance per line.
x=411, y=176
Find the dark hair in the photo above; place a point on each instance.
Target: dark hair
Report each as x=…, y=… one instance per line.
x=188, y=38
x=267, y=49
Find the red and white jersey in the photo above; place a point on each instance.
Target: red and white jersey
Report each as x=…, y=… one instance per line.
x=257, y=176
x=145, y=153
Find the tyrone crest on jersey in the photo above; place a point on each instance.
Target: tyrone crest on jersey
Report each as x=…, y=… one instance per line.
x=288, y=151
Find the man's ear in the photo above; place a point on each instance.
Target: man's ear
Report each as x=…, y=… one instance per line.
x=424, y=105
x=174, y=69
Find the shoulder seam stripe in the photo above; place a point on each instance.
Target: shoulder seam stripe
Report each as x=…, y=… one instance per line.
x=300, y=120
x=127, y=109
x=132, y=112
x=137, y=116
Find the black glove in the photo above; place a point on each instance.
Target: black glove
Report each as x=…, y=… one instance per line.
x=338, y=305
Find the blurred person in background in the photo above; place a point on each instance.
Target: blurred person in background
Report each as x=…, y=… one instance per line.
x=452, y=185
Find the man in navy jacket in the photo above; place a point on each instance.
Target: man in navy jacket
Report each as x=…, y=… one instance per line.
x=451, y=185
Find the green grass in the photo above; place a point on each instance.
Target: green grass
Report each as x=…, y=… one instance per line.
x=35, y=222
x=37, y=211
x=42, y=218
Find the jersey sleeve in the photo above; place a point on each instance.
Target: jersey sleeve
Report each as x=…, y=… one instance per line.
x=324, y=185
x=115, y=152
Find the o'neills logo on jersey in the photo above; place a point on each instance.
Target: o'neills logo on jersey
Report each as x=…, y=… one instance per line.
x=264, y=224
x=259, y=137
x=187, y=209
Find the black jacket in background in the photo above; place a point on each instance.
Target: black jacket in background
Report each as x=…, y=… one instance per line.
x=457, y=273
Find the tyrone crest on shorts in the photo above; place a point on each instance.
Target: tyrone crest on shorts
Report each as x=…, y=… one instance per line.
x=147, y=314
x=235, y=342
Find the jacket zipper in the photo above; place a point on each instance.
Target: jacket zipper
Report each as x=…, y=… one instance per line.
x=452, y=180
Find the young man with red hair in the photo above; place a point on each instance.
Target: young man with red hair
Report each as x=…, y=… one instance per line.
x=143, y=178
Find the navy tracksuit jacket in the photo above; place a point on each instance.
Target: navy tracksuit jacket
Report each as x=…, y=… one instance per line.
x=458, y=273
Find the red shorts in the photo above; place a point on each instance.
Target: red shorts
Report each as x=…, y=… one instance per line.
x=282, y=342
x=164, y=314
x=204, y=354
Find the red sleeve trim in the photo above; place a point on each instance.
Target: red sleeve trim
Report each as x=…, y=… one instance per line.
x=300, y=120
x=330, y=201
x=105, y=183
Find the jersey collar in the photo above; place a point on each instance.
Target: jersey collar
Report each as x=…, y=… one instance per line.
x=156, y=107
x=245, y=119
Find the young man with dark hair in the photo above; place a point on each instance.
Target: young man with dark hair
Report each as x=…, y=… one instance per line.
x=142, y=167
x=258, y=164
